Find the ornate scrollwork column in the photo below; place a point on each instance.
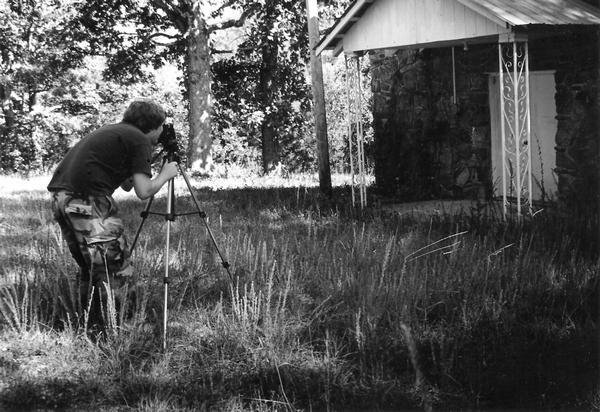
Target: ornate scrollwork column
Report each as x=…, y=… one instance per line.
x=515, y=124
x=355, y=128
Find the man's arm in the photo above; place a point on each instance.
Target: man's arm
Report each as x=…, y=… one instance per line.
x=146, y=187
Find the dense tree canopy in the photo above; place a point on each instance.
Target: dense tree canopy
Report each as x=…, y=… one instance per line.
x=237, y=71
x=39, y=44
x=265, y=83
x=136, y=32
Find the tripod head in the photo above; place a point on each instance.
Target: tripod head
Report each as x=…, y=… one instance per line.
x=170, y=144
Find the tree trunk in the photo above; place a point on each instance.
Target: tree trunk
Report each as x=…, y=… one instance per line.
x=266, y=91
x=7, y=108
x=5, y=129
x=199, y=92
x=318, y=91
x=33, y=98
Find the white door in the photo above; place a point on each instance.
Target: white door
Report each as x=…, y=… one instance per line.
x=542, y=89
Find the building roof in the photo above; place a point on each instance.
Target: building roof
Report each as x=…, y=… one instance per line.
x=497, y=16
x=525, y=12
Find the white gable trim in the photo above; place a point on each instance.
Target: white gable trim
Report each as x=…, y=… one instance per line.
x=409, y=23
x=348, y=18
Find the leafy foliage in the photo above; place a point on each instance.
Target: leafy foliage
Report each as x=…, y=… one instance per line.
x=125, y=31
x=264, y=84
x=53, y=90
x=132, y=33
x=336, y=102
x=39, y=43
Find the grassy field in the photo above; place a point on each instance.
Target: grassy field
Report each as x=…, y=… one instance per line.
x=330, y=308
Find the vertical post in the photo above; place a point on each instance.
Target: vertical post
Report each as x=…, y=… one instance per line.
x=598, y=136
x=515, y=123
x=349, y=114
x=502, y=130
x=360, y=137
x=318, y=91
x=517, y=129
x=528, y=136
x=454, y=99
x=598, y=153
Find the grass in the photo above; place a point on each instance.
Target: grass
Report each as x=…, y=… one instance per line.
x=330, y=308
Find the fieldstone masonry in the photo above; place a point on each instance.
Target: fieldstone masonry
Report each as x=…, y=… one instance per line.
x=573, y=54
x=428, y=146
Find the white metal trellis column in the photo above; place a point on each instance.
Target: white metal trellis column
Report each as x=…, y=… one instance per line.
x=355, y=128
x=515, y=124
x=349, y=126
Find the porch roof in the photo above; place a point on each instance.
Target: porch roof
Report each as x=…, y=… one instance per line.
x=380, y=24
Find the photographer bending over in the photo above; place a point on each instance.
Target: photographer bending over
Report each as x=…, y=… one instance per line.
x=82, y=187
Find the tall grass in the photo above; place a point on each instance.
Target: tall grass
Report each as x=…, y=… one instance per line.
x=329, y=308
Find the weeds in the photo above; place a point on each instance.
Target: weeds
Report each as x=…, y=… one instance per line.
x=329, y=308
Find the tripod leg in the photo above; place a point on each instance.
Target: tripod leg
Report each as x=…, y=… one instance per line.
x=224, y=263
x=144, y=215
x=170, y=216
x=189, y=186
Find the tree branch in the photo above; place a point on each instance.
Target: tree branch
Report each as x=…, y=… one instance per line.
x=222, y=7
x=234, y=22
x=174, y=13
x=218, y=51
x=173, y=37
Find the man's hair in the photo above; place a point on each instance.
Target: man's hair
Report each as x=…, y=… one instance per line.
x=146, y=115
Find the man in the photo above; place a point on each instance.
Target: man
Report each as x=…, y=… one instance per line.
x=82, y=187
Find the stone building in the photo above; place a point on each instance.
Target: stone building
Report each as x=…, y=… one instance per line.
x=443, y=125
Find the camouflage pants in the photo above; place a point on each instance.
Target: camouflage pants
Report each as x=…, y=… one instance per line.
x=94, y=233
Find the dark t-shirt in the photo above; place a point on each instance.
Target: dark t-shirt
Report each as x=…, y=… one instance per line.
x=102, y=160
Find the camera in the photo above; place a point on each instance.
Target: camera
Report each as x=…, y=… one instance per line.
x=168, y=140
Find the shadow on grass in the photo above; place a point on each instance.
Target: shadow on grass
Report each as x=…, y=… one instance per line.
x=539, y=352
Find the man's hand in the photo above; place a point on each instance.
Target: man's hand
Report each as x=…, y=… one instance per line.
x=127, y=184
x=169, y=170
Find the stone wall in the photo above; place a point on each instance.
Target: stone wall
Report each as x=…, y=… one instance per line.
x=426, y=146
x=573, y=54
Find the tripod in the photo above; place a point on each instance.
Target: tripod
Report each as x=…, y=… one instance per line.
x=170, y=216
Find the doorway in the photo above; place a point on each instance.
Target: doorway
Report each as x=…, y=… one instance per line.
x=542, y=89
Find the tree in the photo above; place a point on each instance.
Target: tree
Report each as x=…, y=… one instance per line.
x=262, y=90
x=266, y=91
x=263, y=99
x=273, y=95
x=38, y=46
x=136, y=32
